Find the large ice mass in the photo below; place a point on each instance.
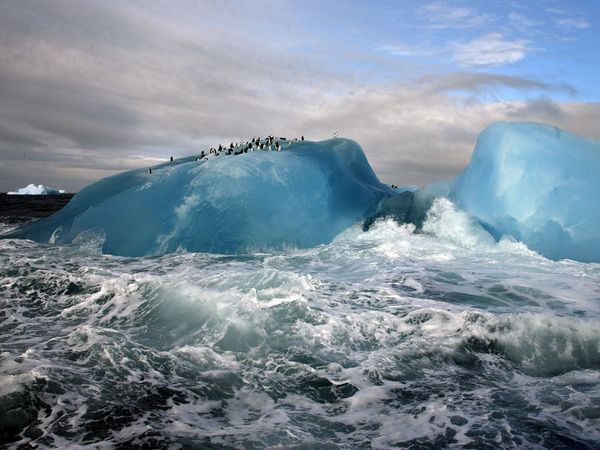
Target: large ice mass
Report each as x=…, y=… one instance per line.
x=536, y=183
x=533, y=182
x=301, y=196
x=40, y=189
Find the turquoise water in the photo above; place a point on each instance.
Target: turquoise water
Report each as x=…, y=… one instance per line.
x=385, y=338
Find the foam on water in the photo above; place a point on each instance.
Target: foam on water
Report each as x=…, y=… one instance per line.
x=384, y=338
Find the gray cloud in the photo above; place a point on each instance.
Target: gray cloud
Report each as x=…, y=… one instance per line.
x=91, y=88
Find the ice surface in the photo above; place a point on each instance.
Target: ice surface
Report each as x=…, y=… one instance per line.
x=301, y=196
x=40, y=189
x=536, y=183
x=533, y=182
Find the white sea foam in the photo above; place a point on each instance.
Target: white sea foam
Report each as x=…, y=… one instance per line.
x=387, y=338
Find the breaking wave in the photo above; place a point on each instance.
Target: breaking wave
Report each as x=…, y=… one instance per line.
x=391, y=337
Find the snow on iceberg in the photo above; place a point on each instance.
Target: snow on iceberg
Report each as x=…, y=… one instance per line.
x=536, y=183
x=40, y=189
x=301, y=196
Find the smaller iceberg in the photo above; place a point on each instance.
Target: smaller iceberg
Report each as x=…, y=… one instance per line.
x=40, y=189
x=536, y=183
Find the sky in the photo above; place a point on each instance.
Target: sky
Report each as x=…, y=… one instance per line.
x=91, y=88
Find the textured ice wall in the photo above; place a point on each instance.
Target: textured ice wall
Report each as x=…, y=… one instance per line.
x=302, y=196
x=538, y=184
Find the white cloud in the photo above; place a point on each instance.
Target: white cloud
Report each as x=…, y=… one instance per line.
x=579, y=23
x=522, y=23
x=569, y=19
x=490, y=50
x=441, y=15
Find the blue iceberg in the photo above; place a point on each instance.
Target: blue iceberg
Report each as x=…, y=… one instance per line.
x=536, y=183
x=533, y=182
x=301, y=196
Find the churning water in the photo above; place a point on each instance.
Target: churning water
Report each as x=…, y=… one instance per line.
x=385, y=338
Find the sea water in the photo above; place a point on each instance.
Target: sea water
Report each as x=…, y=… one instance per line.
x=392, y=337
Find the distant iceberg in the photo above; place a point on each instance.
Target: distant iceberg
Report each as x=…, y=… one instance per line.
x=39, y=189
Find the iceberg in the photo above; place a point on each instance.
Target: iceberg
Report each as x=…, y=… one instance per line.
x=301, y=196
x=538, y=184
x=533, y=182
x=40, y=189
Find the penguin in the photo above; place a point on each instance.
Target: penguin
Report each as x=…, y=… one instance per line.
x=302, y=138
x=171, y=159
x=149, y=171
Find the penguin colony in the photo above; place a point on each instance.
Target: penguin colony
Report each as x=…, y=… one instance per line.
x=270, y=143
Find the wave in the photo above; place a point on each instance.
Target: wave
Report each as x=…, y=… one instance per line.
x=393, y=337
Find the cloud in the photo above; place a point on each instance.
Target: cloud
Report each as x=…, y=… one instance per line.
x=490, y=50
x=573, y=22
x=569, y=18
x=477, y=81
x=88, y=89
x=441, y=15
x=399, y=49
x=523, y=23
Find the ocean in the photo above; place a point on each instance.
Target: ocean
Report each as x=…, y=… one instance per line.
x=393, y=337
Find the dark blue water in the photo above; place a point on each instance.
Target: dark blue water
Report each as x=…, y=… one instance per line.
x=386, y=338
